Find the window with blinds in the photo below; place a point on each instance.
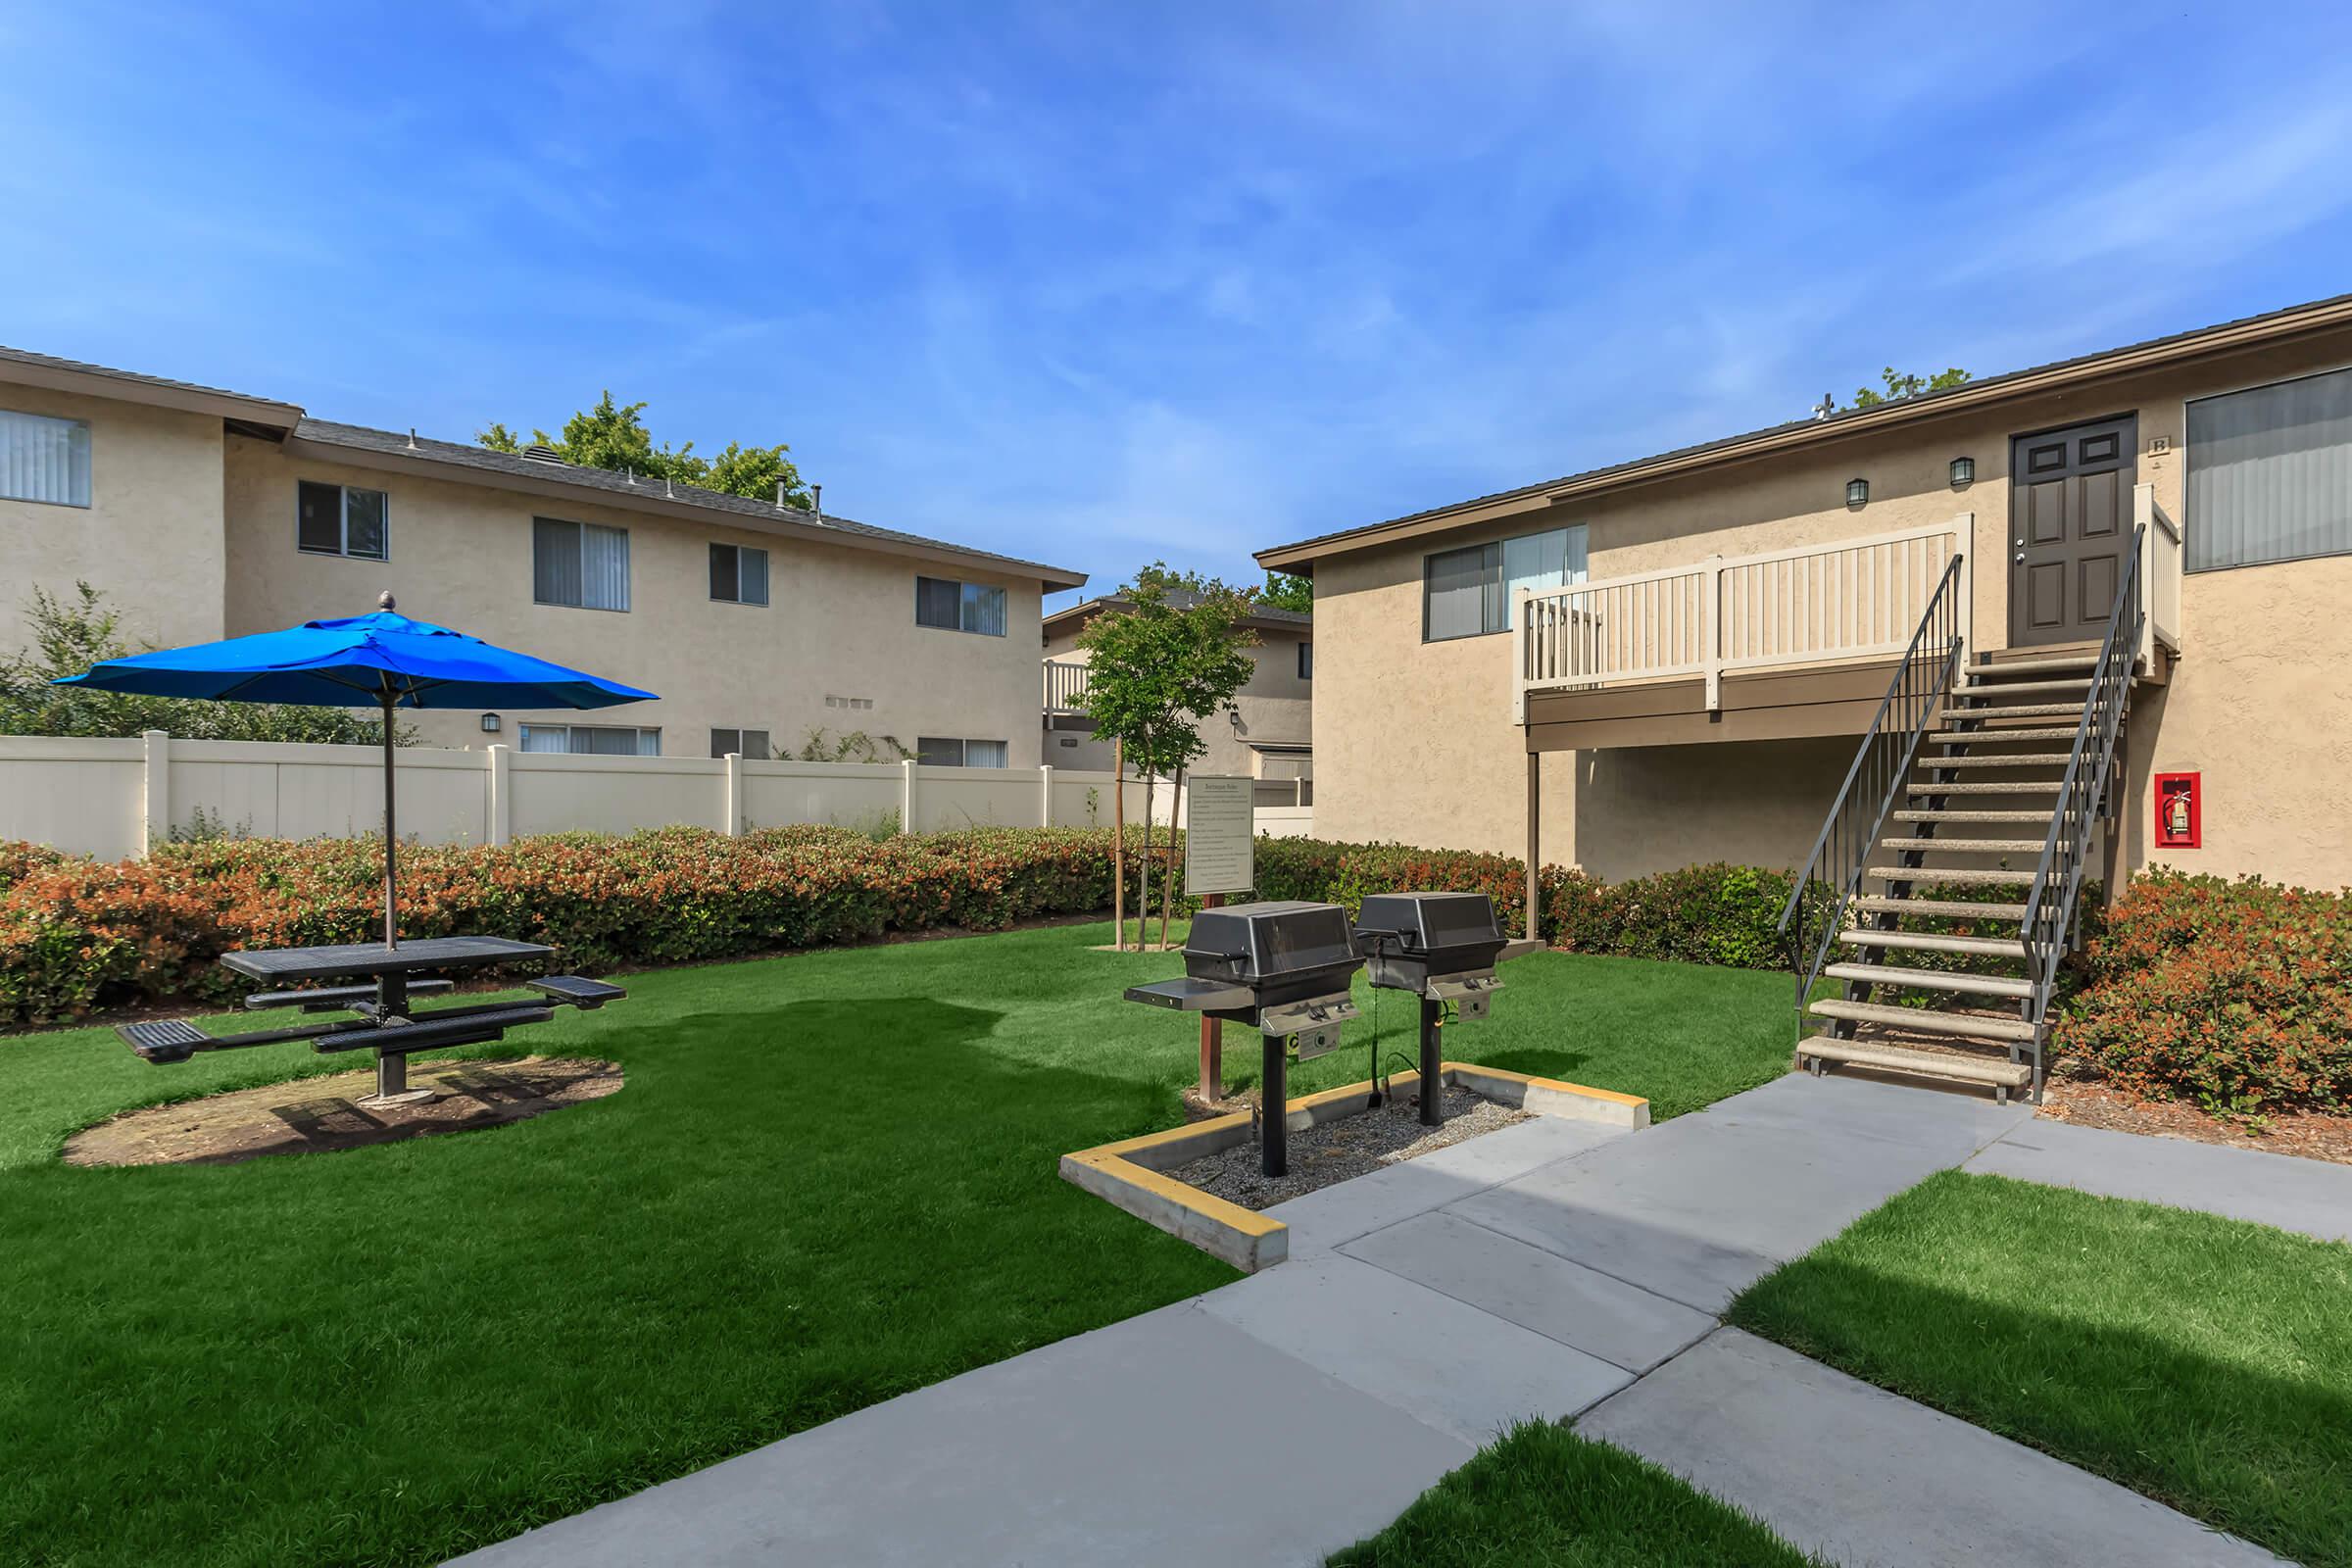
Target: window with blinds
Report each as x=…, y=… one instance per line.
x=2270, y=474
x=936, y=751
x=1469, y=592
x=44, y=460
x=592, y=739
x=738, y=574
x=583, y=564
x=332, y=520
x=751, y=743
x=951, y=605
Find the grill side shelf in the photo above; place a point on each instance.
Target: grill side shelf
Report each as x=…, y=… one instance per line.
x=1190, y=994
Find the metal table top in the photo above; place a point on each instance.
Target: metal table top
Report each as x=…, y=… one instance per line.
x=371, y=958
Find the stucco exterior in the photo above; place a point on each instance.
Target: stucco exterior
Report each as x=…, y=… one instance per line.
x=151, y=536
x=1416, y=740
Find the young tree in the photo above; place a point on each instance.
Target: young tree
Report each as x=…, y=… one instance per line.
x=69, y=636
x=1155, y=672
x=613, y=437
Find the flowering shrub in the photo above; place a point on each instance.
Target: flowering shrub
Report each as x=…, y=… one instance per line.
x=2236, y=995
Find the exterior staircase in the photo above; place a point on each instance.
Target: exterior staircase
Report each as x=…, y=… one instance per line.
x=1945, y=887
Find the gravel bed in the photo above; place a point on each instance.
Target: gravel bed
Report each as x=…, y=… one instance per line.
x=1348, y=1147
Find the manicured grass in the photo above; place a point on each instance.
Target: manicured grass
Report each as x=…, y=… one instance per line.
x=830, y=1179
x=2202, y=1361
x=1545, y=1498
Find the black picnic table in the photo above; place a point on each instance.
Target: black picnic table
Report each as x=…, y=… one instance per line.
x=382, y=1019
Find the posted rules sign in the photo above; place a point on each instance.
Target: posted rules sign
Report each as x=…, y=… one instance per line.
x=1220, y=827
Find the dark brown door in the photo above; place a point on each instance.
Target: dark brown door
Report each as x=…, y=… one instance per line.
x=2070, y=519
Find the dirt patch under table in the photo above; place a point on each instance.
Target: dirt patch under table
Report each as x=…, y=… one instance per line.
x=310, y=1115
x=1343, y=1148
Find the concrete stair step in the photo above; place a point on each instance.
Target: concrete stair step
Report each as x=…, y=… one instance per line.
x=1887, y=974
x=2024, y=710
x=2002, y=759
x=1967, y=846
x=1933, y=1064
x=1931, y=873
x=1967, y=1025
x=2017, y=688
x=1881, y=904
x=2033, y=666
x=1928, y=942
x=1978, y=737
x=2023, y=786
x=2037, y=818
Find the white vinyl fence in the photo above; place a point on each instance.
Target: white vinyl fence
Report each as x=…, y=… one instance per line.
x=115, y=797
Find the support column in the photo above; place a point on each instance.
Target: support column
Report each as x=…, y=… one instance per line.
x=157, y=827
x=501, y=795
x=1535, y=843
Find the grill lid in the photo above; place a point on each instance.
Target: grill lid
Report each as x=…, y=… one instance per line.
x=1252, y=941
x=1429, y=922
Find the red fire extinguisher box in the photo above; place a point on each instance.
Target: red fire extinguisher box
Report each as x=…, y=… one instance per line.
x=2180, y=811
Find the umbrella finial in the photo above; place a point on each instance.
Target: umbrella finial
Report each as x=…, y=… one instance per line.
x=383, y=601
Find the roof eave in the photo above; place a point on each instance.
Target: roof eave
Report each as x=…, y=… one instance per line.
x=2260, y=332
x=428, y=465
x=96, y=382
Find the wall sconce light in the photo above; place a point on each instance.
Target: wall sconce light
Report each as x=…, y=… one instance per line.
x=1964, y=473
x=489, y=723
x=1857, y=494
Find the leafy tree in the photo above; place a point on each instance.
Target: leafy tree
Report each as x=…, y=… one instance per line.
x=1285, y=592
x=69, y=636
x=1900, y=385
x=1155, y=672
x=613, y=437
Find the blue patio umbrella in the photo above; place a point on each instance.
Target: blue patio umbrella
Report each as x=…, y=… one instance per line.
x=384, y=660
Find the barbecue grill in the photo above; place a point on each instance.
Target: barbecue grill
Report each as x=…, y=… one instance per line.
x=1443, y=947
x=1282, y=968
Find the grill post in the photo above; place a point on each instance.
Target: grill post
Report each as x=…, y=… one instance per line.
x=1433, y=1087
x=1274, y=1109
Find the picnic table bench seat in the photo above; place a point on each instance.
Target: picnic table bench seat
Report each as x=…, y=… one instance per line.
x=578, y=990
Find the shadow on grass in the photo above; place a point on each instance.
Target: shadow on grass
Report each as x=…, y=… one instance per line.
x=2242, y=1446
x=1541, y=1063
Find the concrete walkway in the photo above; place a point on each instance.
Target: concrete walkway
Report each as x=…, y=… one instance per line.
x=1537, y=1271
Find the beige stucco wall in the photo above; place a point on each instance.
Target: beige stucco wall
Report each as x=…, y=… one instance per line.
x=1275, y=706
x=840, y=621
x=151, y=536
x=1415, y=740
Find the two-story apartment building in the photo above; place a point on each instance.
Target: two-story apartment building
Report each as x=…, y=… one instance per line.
x=204, y=514
x=1959, y=658
x=1266, y=732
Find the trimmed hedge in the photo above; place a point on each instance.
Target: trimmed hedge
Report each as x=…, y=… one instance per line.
x=2235, y=995
x=76, y=935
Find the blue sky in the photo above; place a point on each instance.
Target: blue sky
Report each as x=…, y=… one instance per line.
x=1100, y=283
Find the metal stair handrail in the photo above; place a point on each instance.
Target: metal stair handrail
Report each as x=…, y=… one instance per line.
x=1875, y=782
x=2085, y=793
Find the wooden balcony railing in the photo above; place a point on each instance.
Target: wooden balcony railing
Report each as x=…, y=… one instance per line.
x=1065, y=685
x=1851, y=598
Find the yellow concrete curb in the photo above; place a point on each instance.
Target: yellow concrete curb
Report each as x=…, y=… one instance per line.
x=1128, y=1172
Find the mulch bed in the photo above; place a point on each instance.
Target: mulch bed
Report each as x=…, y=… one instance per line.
x=1345, y=1147
x=2091, y=1105
x=315, y=1114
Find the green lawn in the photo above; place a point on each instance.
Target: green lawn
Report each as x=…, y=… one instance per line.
x=1545, y=1498
x=2202, y=1361
x=831, y=1178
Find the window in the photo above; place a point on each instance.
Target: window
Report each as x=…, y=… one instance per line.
x=934, y=751
x=332, y=520
x=2270, y=474
x=592, y=739
x=1469, y=592
x=951, y=605
x=44, y=460
x=743, y=742
x=739, y=574
x=579, y=564
x=1307, y=661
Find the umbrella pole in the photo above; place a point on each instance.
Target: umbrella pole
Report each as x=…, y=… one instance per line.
x=391, y=832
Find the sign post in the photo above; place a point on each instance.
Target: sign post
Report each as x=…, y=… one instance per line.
x=1219, y=844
